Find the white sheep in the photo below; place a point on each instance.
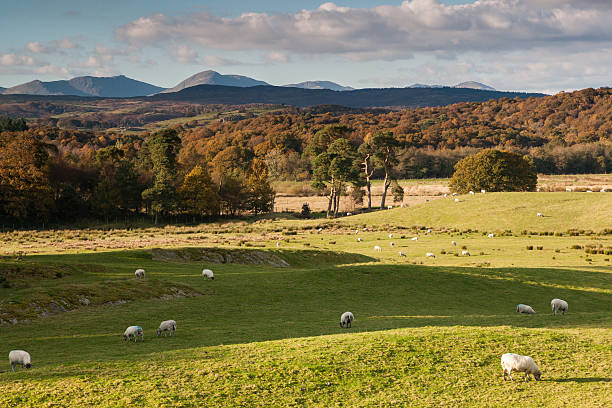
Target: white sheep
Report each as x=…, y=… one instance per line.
x=472, y=193
x=569, y=189
x=377, y=248
x=513, y=362
x=454, y=194
x=401, y=253
x=140, y=273
x=346, y=319
x=429, y=230
x=389, y=207
x=491, y=235
x=356, y=231
x=465, y=253
x=454, y=243
x=20, y=357
x=320, y=229
x=483, y=191
x=364, y=229
x=278, y=244
x=415, y=239
x=166, y=326
x=457, y=200
x=349, y=214
x=390, y=235
x=445, y=195
x=430, y=255
x=526, y=309
x=208, y=274
x=558, y=305
x=359, y=239
x=540, y=214
x=392, y=243
x=133, y=332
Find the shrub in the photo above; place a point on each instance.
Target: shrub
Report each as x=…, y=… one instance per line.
x=530, y=247
x=493, y=170
x=575, y=246
x=539, y=248
x=305, y=212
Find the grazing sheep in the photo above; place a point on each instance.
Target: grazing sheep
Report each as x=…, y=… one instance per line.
x=278, y=244
x=392, y=243
x=429, y=230
x=320, y=229
x=359, y=239
x=430, y=255
x=208, y=274
x=390, y=235
x=133, y=332
x=415, y=239
x=20, y=357
x=457, y=200
x=401, y=253
x=389, y=207
x=472, y=193
x=491, y=235
x=346, y=319
x=569, y=189
x=166, y=326
x=454, y=194
x=513, y=362
x=445, y=195
x=364, y=229
x=483, y=191
x=377, y=248
x=348, y=214
x=465, y=253
x=521, y=308
x=356, y=231
x=454, y=243
x=558, y=305
x=540, y=214
x=140, y=273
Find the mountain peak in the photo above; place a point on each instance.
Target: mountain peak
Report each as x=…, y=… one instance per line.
x=320, y=85
x=474, y=85
x=210, y=77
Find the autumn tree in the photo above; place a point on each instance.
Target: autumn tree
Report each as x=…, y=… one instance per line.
x=384, y=146
x=199, y=194
x=261, y=193
x=366, y=155
x=493, y=170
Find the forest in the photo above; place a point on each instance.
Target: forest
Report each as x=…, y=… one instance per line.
x=54, y=171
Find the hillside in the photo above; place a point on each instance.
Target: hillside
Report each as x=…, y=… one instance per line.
x=497, y=212
x=320, y=85
x=117, y=86
x=214, y=78
x=359, y=98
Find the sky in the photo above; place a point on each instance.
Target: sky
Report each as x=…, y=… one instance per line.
x=526, y=45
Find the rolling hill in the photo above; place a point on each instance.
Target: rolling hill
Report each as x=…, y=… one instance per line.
x=118, y=86
x=320, y=85
x=359, y=98
x=214, y=78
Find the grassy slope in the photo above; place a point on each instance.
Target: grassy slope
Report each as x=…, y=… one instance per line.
x=500, y=211
x=80, y=359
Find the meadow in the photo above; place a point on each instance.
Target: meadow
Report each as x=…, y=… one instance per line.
x=428, y=332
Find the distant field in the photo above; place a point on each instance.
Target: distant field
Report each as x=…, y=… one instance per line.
x=428, y=332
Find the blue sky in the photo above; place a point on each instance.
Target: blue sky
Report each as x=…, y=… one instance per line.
x=535, y=45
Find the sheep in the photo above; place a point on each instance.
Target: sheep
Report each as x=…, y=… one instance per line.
x=359, y=239
x=430, y=255
x=392, y=243
x=454, y=194
x=558, y=305
x=349, y=214
x=319, y=230
x=483, y=191
x=454, y=243
x=568, y=189
x=278, y=244
x=356, y=231
x=472, y=193
x=539, y=215
x=20, y=357
x=208, y=274
x=377, y=248
x=457, y=200
x=513, y=362
x=415, y=239
x=389, y=207
x=364, y=229
x=429, y=230
x=445, y=195
x=140, y=273
x=401, y=253
x=133, y=332
x=166, y=325
x=465, y=253
x=491, y=235
x=390, y=235
x=521, y=308
x=346, y=319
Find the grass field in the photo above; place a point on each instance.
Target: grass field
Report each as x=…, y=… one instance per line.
x=428, y=332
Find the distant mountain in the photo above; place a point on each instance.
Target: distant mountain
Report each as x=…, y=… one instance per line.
x=2, y=89
x=214, y=78
x=359, y=98
x=474, y=85
x=466, y=85
x=424, y=86
x=114, y=87
x=332, y=86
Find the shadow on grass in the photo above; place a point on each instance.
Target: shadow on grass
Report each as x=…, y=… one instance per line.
x=583, y=380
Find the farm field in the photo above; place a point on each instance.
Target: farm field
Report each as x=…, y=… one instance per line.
x=428, y=332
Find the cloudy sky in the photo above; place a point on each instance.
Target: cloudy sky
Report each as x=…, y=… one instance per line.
x=534, y=45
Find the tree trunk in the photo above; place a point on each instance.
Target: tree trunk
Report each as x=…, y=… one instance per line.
x=386, y=185
x=368, y=174
x=368, y=186
x=337, y=203
x=329, y=200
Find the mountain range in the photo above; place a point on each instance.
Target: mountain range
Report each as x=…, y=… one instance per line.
x=118, y=86
x=468, y=85
x=122, y=86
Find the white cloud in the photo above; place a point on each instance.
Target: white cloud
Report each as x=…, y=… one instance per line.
x=215, y=61
x=184, y=54
x=36, y=47
x=277, y=57
x=16, y=60
x=50, y=69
